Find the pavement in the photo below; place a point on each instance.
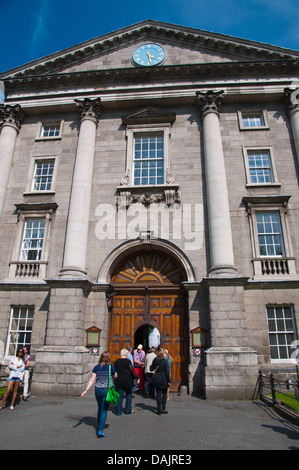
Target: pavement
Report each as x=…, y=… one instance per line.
x=69, y=423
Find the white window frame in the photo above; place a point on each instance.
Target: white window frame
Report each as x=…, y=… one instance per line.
x=283, y=332
x=27, y=242
x=18, y=331
x=30, y=190
x=258, y=259
x=133, y=130
x=261, y=112
x=246, y=152
x=31, y=265
x=43, y=124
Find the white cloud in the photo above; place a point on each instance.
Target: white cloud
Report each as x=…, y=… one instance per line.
x=40, y=30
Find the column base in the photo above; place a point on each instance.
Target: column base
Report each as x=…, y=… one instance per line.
x=72, y=273
x=61, y=370
x=231, y=373
x=223, y=271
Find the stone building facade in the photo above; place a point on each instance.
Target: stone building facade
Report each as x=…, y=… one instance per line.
x=149, y=189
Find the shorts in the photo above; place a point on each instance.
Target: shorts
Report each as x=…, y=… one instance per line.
x=14, y=379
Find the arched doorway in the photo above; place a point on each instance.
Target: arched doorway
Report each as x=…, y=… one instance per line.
x=148, y=295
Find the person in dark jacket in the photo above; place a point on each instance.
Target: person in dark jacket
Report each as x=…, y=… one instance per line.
x=124, y=382
x=161, y=380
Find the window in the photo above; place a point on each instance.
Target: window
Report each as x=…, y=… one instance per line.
x=269, y=234
x=252, y=120
x=43, y=175
x=148, y=161
x=50, y=130
x=20, y=328
x=33, y=239
x=260, y=166
x=281, y=331
x=272, y=252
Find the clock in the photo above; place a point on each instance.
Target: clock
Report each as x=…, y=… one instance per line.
x=148, y=55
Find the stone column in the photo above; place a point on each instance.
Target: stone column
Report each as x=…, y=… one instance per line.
x=12, y=117
x=78, y=217
x=220, y=234
x=293, y=97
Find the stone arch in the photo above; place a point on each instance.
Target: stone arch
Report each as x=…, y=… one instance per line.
x=133, y=246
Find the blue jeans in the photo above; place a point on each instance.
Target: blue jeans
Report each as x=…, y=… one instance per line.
x=119, y=406
x=103, y=407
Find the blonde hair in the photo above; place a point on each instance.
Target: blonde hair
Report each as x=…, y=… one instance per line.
x=124, y=352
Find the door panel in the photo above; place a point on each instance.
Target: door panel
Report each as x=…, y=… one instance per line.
x=166, y=312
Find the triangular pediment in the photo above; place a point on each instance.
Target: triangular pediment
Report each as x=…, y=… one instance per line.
x=149, y=115
x=182, y=45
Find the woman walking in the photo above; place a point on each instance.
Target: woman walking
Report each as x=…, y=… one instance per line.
x=100, y=377
x=16, y=367
x=124, y=382
x=161, y=380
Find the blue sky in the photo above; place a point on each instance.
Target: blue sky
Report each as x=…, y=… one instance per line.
x=31, y=29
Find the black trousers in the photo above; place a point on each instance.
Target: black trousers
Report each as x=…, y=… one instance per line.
x=161, y=397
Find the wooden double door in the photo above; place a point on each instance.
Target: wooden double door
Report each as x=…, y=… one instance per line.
x=134, y=315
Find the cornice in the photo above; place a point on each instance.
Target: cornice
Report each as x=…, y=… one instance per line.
x=151, y=29
x=199, y=71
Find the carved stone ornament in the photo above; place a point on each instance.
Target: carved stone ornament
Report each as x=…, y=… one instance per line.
x=11, y=115
x=293, y=99
x=167, y=196
x=90, y=109
x=209, y=101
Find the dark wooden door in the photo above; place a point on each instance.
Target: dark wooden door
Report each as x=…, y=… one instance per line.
x=164, y=311
x=147, y=288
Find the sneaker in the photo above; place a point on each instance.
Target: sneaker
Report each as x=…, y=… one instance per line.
x=101, y=434
x=11, y=407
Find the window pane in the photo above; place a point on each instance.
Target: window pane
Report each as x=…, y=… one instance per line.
x=281, y=331
x=149, y=152
x=33, y=239
x=253, y=119
x=20, y=331
x=260, y=166
x=269, y=234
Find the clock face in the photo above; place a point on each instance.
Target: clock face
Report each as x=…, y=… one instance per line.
x=148, y=55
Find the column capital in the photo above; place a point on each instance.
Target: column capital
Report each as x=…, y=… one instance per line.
x=90, y=109
x=11, y=116
x=292, y=99
x=210, y=101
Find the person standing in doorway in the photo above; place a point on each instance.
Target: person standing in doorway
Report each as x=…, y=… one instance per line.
x=139, y=358
x=148, y=373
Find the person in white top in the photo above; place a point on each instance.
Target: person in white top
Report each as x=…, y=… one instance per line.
x=16, y=367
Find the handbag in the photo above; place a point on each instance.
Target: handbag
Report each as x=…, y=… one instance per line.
x=112, y=394
x=7, y=370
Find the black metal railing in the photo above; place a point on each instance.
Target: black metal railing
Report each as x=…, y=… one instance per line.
x=274, y=381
